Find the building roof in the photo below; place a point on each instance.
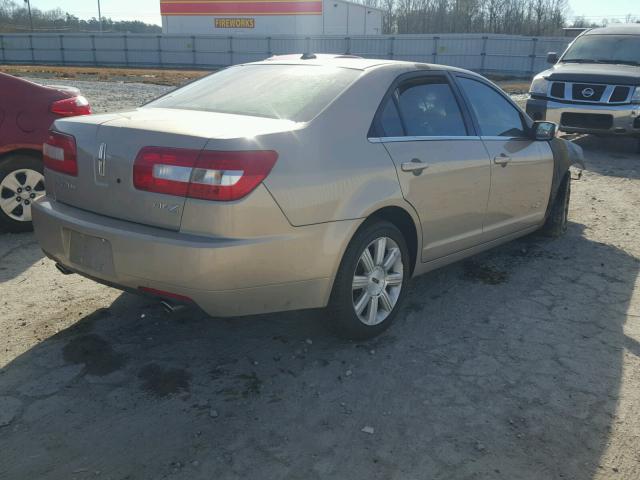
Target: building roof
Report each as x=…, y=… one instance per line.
x=356, y=4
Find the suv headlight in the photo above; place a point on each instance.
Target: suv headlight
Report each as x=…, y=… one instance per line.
x=539, y=86
x=636, y=96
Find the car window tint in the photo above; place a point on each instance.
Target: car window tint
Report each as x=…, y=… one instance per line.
x=496, y=116
x=390, y=120
x=430, y=109
x=291, y=92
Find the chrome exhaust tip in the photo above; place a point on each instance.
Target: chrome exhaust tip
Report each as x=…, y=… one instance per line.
x=63, y=270
x=170, y=307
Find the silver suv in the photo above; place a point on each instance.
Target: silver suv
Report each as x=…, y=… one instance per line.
x=594, y=87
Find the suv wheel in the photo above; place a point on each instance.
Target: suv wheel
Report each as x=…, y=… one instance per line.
x=371, y=282
x=21, y=183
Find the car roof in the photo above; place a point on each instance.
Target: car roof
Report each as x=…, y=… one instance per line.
x=623, y=29
x=350, y=61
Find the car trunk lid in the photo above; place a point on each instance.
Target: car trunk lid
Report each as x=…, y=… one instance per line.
x=107, y=149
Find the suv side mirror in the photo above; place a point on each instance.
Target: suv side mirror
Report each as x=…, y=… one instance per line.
x=552, y=58
x=544, y=130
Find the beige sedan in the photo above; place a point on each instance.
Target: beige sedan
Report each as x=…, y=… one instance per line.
x=300, y=182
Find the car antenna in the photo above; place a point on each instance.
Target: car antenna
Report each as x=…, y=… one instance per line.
x=308, y=56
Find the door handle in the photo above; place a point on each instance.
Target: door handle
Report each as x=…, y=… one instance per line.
x=415, y=165
x=502, y=159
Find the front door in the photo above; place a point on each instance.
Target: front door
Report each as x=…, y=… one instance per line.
x=444, y=171
x=521, y=167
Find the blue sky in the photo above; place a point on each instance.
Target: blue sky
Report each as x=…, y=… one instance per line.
x=149, y=10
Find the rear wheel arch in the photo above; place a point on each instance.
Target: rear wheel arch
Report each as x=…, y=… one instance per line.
x=21, y=152
x=404, y=222
x=401, y=219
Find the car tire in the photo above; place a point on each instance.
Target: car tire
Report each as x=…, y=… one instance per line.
x=557, y=221
x=370, y=287
x=21, y=182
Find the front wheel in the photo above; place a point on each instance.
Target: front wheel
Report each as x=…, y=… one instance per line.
x=371, y=282
x=21, y=183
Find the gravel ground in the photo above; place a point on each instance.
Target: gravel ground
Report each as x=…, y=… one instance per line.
x=110, y=96
x=520, y=363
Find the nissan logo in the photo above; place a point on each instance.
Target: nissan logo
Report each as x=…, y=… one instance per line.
x=588, y=92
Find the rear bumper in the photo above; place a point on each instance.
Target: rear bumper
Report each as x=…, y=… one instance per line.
x=224, y=276
x=607, y=119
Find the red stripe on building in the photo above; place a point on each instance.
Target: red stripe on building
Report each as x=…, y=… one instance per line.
x=235, y=8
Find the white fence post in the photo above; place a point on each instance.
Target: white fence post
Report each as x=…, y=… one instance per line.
x=33, y=57
x=61, y=37
x=483, y=54
x=534, y=43
x=436, y=43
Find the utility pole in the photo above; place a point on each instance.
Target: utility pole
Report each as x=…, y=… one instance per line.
x=100, y=16
x=30, y=17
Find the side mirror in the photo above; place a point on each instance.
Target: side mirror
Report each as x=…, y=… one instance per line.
x=544, y=130
x=552, y=58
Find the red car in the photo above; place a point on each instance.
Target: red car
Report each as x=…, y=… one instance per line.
x=27, y=110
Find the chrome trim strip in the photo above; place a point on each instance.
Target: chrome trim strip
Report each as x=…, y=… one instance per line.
x=505, y=138
x=421, y=139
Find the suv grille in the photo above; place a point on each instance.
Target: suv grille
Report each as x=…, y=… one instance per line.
x=590, y=92
x=557, y=89
x=587, y=93
x=620, y=94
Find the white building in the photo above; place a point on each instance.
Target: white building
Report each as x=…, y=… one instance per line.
x=260, y=17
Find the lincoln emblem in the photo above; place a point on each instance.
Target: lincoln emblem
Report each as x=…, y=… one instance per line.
x=102, y=160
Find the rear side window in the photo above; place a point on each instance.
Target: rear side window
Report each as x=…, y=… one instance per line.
x=496, y=116
x=429, y=109
x=291, y=92
x=390, y=120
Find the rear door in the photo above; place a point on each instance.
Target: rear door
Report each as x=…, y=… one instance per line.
x=442, y=166
x=521, y=167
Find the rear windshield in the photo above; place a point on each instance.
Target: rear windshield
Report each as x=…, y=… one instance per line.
x=623, y=49
x=291, y=92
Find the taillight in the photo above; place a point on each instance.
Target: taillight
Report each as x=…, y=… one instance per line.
x=60, y=154
x=71, y=107
x=164, y=170
x=207, y=175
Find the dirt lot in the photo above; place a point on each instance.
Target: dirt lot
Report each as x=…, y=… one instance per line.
x=520, y=363
x=136, y=75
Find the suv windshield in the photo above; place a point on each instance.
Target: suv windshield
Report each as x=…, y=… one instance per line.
x=605, y=49
x=291, y=92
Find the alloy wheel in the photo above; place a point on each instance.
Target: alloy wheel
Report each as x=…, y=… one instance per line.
x=377, y=281
x=18, y=190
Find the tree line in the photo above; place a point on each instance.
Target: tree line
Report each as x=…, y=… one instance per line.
x=518, y=17
x=14, y=17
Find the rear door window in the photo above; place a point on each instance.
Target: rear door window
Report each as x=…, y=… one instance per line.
x=390, y=122
x=428, y=108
